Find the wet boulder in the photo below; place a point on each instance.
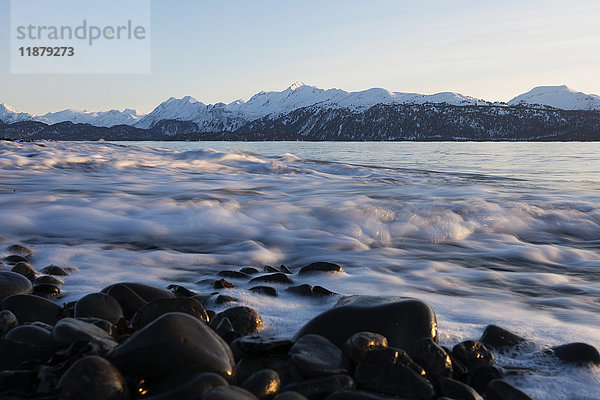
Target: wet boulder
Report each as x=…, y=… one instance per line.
x=402, y=321
x=315, y=356
x=473, y=354
x=99, y=305
x=8, y=321
x=320, y=267
x=174, y=344
x=264, y=384
x=244, y=320
x=502, y=390
x=432, y=357
x=360, y=345
x=13, y=283
x=129, y=300
x=54, y=270
x=457, y=390
x=70, y=330
x=577, y=353
x=277, y=277
x=92, y=378
x=146, y=292
x=159, y=307
x=24, y=269
x=497, y=338
x=29, y=308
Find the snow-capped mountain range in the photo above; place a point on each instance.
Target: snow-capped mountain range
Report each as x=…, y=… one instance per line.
x=229, y=117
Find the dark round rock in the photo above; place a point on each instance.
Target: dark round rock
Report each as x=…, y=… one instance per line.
x=266, y=290
x=244, y=320
x=54, y=270
x=263, y=384
x=146, y=292
x=360, y=345
x=92, y=378
x=320, y=291
x=159, y=307
x=13, y=283
x=70, y=330
x=315, y=356
x=501, y=390
x=33, y=335
x=47, y=291
x=229, y=393
x=223, y=284
x=402, y=321
x=234, y=274
x=129, y=300
x=269, y=269
x=497, y=337
x=172, y=345
x=285, y=269
x=457, y=390
x=577, y=353
x=289, y=395
x=222, y=299
x=48, y=280
x=392, y=371
x=181, y=291
x=480, y=377
x=277, y=277
x=100, y=323
x=193, y=388
x=309, y=291
x=29, y=308
x=319, y=388
x=225, y=330
x=473, y=354
x=99, y=305
x=23, y=268
x=259, y=345
x=320, y=267
x=20, y=250
x=249, y=270
x=8, y=321
x=13, y=259
x=432, y=357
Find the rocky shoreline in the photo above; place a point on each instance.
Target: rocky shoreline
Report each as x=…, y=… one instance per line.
x=135, y=341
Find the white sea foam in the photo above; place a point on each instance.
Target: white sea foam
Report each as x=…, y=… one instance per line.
x=480, y=249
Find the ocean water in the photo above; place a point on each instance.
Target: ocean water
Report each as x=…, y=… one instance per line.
x=502, y=233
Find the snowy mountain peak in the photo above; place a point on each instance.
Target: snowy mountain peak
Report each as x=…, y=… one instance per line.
x=296, y=85
x=561, y=97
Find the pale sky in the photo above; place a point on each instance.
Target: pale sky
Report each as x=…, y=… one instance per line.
x=226, y=50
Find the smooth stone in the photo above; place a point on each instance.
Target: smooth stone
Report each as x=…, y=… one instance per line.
x=222, y=299
x=266, y=290
x=480, y=377
x=146, y=292
x=194, y=388
x=47, y=291
x=277, y=277
x=33, y=335
x=48, y=280
x=244, y=320
x=129, y=300
x=30, y=308
x=23, y=268
x=320, y=267
x=310, y=291
x=13, y=283
x=269, y=269
x=457, y=390
x=172, y=345
x=159, y=307
x=259, y=345
x=180, y=291
x=320, y=388
x=234, y=274
x=473, y=354
x=263, y=384
x=577, y=353
x=99, y=305
x=289, y=395
x=501, y=390
x=360, y=345
x=19, y=249
x=22, y=356
x=8, y=321
x=497, y=337
x=315, y=356
x=70, y=330
x=285, y=269
x=103, y=324
x=402, y=321
x=392, y=371
x=432, y=357
x=54, y=270
x=229, y=393
x=249, y=270
x=93, y=378
x=225, y=330
x=223, y=284
x=13, y=259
